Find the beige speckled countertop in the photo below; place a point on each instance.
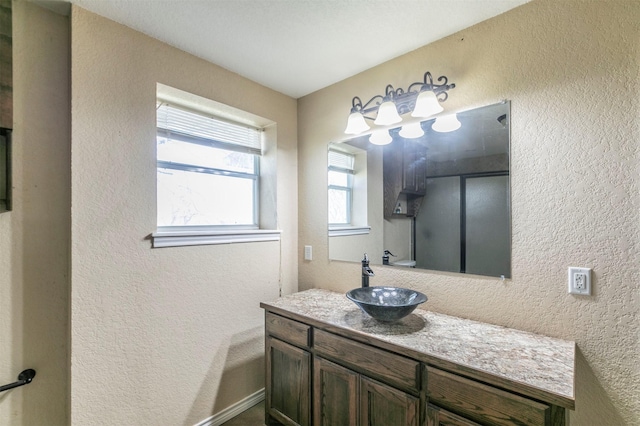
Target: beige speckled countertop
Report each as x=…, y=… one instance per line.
x=532, y=364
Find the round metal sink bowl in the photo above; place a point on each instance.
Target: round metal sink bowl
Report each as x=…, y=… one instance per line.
x=386, y=304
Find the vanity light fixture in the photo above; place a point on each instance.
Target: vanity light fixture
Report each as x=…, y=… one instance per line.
x=446, y=123
x=421, y=98
x=411, y=131
x=381, y=137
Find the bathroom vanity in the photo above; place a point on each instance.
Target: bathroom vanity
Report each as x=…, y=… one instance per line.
x=328, y=363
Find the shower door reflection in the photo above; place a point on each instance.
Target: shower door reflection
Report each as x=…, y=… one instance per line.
x=460, y=227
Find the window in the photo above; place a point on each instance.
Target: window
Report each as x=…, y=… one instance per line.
x=340, y=187
x=208, y=179
x=347, y=191
x=208, y=170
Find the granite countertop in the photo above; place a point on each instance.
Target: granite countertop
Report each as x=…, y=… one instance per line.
x=541, y=366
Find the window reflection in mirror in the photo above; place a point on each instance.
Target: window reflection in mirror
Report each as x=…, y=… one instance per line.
x=353, y=194
x=440, y=201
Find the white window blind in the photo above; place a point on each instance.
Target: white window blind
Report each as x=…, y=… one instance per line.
x=179, y=124
x=341, y=161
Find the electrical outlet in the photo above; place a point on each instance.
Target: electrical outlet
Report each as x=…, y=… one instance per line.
x=308, y=254
x=580, y=281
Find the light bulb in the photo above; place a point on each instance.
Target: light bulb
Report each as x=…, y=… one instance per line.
x=356, y=124
x=448, y=123
x=411, y=131
x=381, y=138
x=387, y=114
x=426, y=105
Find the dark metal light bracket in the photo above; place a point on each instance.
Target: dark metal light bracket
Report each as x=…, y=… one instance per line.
x=405, y=100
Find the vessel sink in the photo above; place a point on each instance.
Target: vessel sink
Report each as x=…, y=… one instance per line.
x=386, y=304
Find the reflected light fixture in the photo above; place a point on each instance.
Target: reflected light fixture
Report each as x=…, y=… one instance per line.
x=380, y=138
x=421, y=98
x=411, y=131
x=446, y=123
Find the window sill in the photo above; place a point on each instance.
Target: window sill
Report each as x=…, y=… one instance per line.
x=198, y=238
x=342, y=231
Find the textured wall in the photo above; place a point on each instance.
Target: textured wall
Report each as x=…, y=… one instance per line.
x=160, y=336
x=570, y=69
x=34, y=236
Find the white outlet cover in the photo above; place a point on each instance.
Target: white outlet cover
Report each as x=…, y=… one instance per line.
x=574, y=277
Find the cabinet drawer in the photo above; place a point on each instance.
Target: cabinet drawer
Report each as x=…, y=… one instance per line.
x=483, y=403
x=396, y=370
x=288, y=330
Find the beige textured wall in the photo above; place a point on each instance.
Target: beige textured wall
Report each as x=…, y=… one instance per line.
x=173, y=335
x=570, y=69
x=34, y=236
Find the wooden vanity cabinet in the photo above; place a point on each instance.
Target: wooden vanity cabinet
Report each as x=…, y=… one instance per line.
x=382, y=405
x=381, y=382
x=404, y=171
x=482, y=403
x=406, y=166
x=436, y=416
x=353, y=383
x=288, y=372
x=335, y=394
x=346, y=398
x=316, y=377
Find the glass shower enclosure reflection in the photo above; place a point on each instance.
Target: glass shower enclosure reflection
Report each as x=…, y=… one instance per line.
x=460, y=227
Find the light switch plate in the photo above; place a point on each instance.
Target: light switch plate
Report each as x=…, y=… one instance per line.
x=308, y=253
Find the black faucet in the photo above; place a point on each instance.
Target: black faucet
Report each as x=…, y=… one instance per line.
x=366, y=271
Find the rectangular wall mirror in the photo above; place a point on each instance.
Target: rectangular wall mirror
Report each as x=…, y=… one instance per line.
x=440, y=201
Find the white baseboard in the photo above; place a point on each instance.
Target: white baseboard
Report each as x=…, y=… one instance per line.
x=232, y=411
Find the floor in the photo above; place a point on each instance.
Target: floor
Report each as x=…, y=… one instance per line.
x=254, y=416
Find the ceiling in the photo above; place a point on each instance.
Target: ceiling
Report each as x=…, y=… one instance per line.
x=295, y=46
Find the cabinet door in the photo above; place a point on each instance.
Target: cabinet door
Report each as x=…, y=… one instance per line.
x=381, y=405
x=288, y=384
x=414, y=167
x=436, y=416
x=335, y=394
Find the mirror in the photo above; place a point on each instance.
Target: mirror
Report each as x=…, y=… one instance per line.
x=5, y=170
x=440, y=201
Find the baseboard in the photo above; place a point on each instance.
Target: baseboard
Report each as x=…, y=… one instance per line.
x=232, y=411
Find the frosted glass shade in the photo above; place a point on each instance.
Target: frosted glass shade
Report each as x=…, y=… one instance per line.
x=411, y=131
x=387, y=114
x=381, y=138
x=356, y=124
x=448, y=123
x=426, y=105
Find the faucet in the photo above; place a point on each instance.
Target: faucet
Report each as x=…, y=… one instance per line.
x=366, y=271
x=385, y=257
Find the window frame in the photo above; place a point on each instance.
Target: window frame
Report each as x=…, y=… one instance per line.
x=356, y=224
x=188, y=235
x=348, y=190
